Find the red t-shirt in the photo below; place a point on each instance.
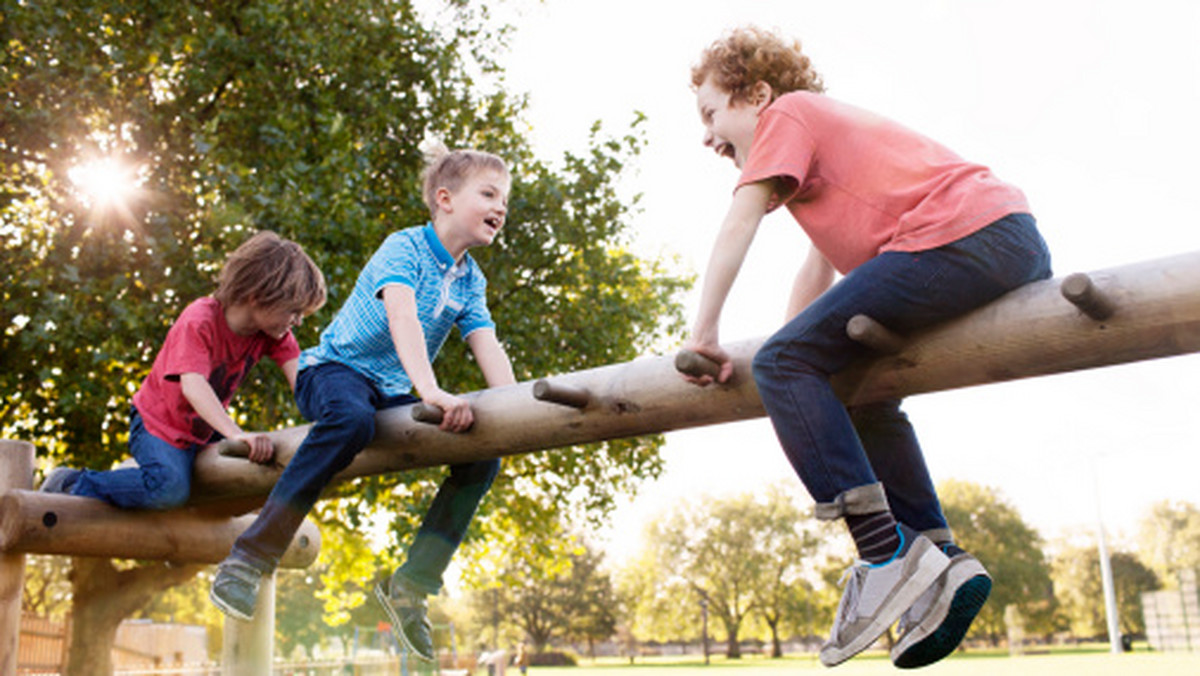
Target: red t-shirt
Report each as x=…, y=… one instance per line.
x=201, y=342
x=860, y=184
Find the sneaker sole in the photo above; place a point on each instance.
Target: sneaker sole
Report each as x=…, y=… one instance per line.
x=889, y=613
x=384, y=600
x=937, y=637
x=228, y=609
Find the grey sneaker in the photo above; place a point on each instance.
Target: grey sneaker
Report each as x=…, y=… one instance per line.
x=235, y=588
x=408, y=612
x=934, y=626
x=60, y=480
x=877, y=594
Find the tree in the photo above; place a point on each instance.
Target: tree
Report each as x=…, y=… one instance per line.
x=741, y=555
x=1080, y=590
x=550, y=596
x=306, y=118
x=1169, y=539
x=989, y=527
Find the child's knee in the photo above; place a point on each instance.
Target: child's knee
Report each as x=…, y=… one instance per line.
x=167, y=490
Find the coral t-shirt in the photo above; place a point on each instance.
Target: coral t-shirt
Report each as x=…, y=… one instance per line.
x=860, y=184
x=201, y=342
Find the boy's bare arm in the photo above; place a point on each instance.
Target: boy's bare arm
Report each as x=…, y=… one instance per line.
x=729, y=251
x=290, y=368
x=204, y=401
x=492, y=359
x=813, y=279
x=400, y=301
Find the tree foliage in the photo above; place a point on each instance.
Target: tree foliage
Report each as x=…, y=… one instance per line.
x=307, y=118
x=985, y=524
x=745, y=556
x=1169, y=539
x=567, y=597
x=1079, y=588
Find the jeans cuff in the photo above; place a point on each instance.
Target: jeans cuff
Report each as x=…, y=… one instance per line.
x=939, y=536
x=866, y=499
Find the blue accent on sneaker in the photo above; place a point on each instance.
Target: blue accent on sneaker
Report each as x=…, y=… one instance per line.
x=899, y=550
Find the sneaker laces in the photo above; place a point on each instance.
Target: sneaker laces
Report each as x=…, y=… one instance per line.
x=851, y=581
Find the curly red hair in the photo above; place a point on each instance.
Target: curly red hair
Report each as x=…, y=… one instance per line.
x=748, y=55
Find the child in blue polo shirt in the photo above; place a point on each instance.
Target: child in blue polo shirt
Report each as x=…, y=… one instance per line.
x=378, y=349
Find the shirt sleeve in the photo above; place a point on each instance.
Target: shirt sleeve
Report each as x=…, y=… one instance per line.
x=398, y=263
x=284, y=350
x=783, y=149
x=189, y=346
x=475, y=315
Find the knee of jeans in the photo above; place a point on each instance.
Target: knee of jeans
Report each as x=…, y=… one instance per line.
x=775, y=356
x=357, y=424
x=167, y=490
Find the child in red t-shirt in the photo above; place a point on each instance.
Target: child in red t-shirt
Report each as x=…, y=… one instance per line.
x=919, y=236
x=268, y=285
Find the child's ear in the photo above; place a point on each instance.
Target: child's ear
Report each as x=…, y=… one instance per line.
x=761, y=95
x=441, y=197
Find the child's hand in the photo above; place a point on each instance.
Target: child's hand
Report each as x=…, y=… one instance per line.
x=262, y=450
x=714, y=352
x=456, y=412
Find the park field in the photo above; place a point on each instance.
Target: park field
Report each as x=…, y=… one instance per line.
x=1064, y=663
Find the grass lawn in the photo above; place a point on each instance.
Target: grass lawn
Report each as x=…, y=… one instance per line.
x=1085, y=662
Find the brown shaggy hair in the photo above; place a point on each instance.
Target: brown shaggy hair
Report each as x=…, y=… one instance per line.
x=748, y=55
x=271, y=272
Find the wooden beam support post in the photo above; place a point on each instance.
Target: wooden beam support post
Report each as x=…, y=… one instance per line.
x=248, y=648
x=16, y=472
x=1029, y=332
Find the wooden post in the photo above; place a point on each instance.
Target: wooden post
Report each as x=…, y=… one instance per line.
x=249, y=647
x=1032, y=331
x=16, y=472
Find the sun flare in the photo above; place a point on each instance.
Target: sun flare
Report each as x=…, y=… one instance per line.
x=105, y=182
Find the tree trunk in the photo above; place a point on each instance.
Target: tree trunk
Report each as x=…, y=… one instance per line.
x=733, y=649
x=104, y=597
x=776, y=645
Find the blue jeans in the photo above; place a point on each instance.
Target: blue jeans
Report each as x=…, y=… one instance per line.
x=161, y=480
x=867, y=458
x=341, y=404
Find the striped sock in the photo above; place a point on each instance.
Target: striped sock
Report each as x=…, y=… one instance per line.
x=875, y=535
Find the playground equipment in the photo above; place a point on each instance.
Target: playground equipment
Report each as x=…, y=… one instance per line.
x=1137, y=312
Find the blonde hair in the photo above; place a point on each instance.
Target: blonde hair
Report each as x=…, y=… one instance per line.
x=271, y=272
x=450, y=168
x=748, y=55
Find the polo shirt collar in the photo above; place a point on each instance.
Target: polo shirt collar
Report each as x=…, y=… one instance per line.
x=445, y=261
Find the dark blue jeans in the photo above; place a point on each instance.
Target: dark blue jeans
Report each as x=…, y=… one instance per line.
x=860, y=460
x=162, y=478
x=341, y=404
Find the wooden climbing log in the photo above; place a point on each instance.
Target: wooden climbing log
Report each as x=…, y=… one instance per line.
x=1032, y=331
x=45, y=523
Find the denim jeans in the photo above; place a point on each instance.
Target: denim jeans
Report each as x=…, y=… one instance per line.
x=161, y=480
x=342, y=404
x=860, y=460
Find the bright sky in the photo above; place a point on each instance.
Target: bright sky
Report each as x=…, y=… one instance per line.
x=1089, y=106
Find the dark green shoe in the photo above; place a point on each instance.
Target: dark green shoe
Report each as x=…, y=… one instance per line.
x=408, y=612
x=235, y=589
